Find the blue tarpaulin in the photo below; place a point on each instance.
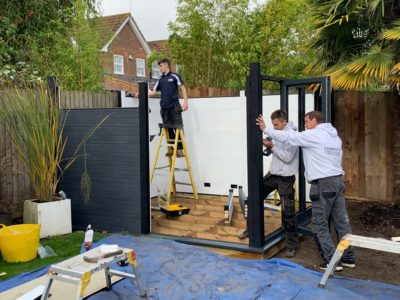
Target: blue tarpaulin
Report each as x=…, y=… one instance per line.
x=171, y=270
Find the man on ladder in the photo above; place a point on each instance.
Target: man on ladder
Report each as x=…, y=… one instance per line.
x=172, y=128
x=171, y=110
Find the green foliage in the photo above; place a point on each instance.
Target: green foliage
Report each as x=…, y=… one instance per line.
x=51, y=38
x=36, y=126
x=357, y=42
x=282, y=28
x=209, y=40
x=213, y=41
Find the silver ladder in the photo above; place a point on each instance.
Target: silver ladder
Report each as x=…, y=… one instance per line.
x=357, y=241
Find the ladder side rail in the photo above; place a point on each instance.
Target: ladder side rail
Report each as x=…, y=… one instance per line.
x=189, y=167
x=171, y=184
x=157, y=153
x=373, y=243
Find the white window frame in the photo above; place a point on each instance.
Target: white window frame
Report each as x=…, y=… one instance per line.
x=118, y=61
x=140, y=67
x=155, y=70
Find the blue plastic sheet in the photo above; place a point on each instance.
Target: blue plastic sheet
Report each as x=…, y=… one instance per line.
x=171, y=270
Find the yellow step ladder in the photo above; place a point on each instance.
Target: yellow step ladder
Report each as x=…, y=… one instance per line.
x=172, y=147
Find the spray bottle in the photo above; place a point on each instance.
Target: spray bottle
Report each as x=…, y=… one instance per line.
x=88, y=238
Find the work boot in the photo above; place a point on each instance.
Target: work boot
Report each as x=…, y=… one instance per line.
x=243, y=235
x=290, y=253
x=169, y=154
x=179, y=153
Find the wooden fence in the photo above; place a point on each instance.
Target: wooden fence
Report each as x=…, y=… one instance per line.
x=74, y=99
x=369, y=125
x=14, y=184
x=202, y=92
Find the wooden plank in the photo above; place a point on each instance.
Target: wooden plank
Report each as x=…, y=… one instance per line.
x=169, y=231
x=390, y=123
x=382, y=144
x=114, y=99
x=369, y=154
x=347, y=146
x=375, y=147
x=361, y=146
x=3, y=199
x=81, y=99
x=163, y=222
x=353, y=141
x=60, y=290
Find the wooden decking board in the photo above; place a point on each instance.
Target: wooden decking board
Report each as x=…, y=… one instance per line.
x=206, y=221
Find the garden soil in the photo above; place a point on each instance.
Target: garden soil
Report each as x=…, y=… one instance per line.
x=367, y=218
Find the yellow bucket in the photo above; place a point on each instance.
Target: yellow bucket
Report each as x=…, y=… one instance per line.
x=19, y=243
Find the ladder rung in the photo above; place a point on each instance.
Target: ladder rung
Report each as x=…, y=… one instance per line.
x=182, y=169
x=182, y=183
x=163, y=167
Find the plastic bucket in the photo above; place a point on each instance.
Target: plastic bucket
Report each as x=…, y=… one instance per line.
x=19, y=243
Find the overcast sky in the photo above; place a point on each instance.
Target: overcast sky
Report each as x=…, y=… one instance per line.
x=152, y=16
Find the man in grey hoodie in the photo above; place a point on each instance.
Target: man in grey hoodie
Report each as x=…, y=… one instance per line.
x=322, y=156
x=281, y=177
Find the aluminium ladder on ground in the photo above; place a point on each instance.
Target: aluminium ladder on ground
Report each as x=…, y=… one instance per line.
x=357, y=241
x=78, y=272
x=172, y=147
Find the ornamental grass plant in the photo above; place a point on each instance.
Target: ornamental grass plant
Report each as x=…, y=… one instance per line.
x=36, y=127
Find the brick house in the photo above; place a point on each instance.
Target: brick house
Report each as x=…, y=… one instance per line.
x=125, y=52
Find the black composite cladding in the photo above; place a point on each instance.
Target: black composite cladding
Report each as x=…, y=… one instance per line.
x=113, y=164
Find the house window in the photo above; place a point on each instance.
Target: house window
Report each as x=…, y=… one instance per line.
x=118, y=64
x=140, y=70
x=155, y=71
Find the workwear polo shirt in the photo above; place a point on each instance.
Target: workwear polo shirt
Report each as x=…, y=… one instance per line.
x=168, y=85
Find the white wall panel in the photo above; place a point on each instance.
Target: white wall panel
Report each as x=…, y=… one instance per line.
x=215, y=133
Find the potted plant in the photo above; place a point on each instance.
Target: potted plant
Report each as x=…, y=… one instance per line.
x=36, y=126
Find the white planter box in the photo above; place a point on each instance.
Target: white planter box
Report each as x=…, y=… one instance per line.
x=54, y=217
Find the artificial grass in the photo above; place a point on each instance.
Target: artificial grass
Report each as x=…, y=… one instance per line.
x=65, y=246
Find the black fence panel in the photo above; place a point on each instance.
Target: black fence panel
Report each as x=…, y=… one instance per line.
x=112, y=158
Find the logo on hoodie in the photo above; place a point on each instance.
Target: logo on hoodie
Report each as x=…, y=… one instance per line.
x=332, y=150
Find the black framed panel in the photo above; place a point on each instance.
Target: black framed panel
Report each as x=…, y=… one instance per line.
x=144, y=156
x=254, y=147
x=254, y=156
x=113, y=162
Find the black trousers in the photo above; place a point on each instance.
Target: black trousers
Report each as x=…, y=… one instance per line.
x=172, y=116
x=284, y=186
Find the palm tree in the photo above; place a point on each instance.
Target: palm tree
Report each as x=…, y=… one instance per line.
x=358, y=43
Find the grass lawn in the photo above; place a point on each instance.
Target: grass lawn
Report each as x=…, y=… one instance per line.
x=65, y=246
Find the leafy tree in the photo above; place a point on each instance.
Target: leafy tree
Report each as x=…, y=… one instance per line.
x=49, y=37
x=357, y=42
x=282, y=27
x=214, y=41
x=209, y=40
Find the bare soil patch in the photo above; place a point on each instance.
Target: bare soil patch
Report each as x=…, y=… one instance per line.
x=368, y=218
